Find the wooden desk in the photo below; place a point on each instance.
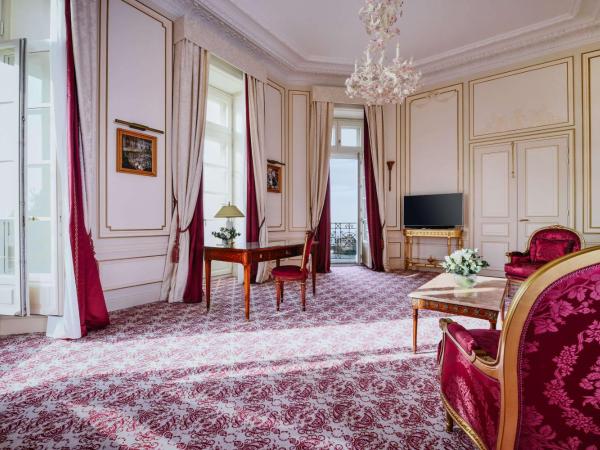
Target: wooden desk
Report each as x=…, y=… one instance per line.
x=485, y=300
x=252, y=252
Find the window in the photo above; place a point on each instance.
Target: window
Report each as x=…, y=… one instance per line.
x=347, y=191
x=218, y=146
x=346, y=135
x=224, y=177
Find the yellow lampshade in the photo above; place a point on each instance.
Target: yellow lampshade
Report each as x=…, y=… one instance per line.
x=229, y=211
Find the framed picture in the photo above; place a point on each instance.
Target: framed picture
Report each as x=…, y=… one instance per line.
x=274, y=180
x=136, y=153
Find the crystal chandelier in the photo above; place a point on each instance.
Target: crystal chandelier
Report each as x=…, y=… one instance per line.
x=372, y=80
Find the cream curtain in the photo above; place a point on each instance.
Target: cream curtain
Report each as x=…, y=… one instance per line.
x=321, y=123
x=190, y=83
x=256, y=109
x=66, y=326
x=85, y=27
x=374, y=115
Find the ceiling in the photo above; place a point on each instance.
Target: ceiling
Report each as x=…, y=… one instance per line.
x=330, y=31
x=307, y=39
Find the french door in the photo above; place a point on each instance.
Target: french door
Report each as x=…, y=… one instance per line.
x=518, y=187
x=13, y=295
x=28, y=207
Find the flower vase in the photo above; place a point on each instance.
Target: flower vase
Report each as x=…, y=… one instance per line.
x=465, y=281
x=227, y=242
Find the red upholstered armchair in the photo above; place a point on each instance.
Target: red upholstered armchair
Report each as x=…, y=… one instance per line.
x=536, y=384
x=545, y=245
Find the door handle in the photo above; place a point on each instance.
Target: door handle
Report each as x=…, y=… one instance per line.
x=524, y=220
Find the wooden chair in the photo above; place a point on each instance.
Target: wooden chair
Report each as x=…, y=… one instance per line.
x=282, y=274
x=534, y=384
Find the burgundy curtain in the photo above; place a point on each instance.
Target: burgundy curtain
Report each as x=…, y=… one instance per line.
x=252, y=226
x=90, y=298
x=323, y=235
x=373, y=220
x=193, y=285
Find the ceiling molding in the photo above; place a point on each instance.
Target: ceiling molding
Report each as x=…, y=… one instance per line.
x=581, y=25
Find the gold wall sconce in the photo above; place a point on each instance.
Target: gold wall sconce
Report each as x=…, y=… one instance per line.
x=390, y=164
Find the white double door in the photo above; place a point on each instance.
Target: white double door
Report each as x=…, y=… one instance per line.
x=518, y=187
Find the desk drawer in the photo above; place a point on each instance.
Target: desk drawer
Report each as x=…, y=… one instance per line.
x=270, y=255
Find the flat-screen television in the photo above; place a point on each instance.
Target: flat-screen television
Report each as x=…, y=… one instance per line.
x=433, y=211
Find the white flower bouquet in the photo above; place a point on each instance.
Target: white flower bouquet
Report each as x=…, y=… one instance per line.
x=465, y=264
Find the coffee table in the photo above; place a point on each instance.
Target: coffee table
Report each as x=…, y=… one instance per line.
x=483, y=301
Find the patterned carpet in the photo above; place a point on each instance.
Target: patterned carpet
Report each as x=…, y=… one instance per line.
x=341, y=375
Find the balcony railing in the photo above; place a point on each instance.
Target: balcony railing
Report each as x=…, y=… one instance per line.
x=344, y=239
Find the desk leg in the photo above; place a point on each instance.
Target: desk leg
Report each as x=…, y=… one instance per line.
x=207, y=275
x=415, y=321
x=314, y=270
x=247, y=270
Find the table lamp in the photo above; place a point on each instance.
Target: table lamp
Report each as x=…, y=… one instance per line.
x=228, y=233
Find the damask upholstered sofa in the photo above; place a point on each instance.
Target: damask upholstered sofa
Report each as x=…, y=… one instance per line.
x=545, y=244
x=535, y=384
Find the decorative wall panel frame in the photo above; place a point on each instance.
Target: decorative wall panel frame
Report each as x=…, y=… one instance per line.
x=284, y=158
x=588, y=166
x=568, y=62
x=292, y=172
x=458, y=88
x=104, y=228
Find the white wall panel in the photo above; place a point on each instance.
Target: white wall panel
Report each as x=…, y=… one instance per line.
x=135, y=86
x=532, y=98
x=434, y=141
x=298, y=153
x=275, y=150
x=133, y=211
x=122, y=273
x=591, y=144
x=391, y=146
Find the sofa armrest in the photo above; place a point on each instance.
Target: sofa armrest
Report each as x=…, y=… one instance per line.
x=518, y=257
x=465, y=341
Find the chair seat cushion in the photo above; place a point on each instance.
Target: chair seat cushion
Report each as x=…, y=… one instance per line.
x=470, y=340
x=521, y=271
x=289, y=273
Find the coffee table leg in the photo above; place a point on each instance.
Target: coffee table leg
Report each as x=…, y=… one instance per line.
x=415, y=320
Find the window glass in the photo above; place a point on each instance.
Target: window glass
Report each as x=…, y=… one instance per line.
x=349, y=137
x=333, y=137
x=215, y=152
x=216, y=111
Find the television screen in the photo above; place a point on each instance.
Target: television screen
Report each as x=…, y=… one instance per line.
x=433, y=211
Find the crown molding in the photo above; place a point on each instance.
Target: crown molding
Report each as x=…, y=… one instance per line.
x=579, y=26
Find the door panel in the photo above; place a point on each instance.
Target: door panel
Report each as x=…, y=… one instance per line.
x=12, y=298
x=543, y=185
x=494, y=203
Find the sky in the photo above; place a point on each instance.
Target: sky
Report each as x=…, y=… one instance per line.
x=344, y=190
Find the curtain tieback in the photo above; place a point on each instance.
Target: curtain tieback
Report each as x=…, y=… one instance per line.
x=261, y=224
x=175, y=252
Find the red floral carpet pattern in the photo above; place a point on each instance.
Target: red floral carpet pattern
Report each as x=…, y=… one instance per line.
x=339, y=376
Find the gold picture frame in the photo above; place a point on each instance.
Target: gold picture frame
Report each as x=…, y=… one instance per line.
x=136, y=153
x=274, y=178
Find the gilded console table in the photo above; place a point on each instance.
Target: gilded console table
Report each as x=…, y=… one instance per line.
x=411, y=233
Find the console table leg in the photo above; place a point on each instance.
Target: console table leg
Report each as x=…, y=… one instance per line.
x=415, y=321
